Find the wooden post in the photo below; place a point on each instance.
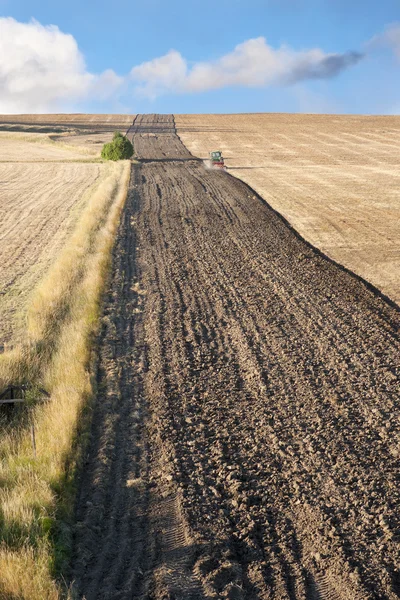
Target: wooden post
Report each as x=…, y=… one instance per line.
x=33, y=439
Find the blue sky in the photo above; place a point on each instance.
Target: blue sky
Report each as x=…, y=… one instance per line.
x=309, y=56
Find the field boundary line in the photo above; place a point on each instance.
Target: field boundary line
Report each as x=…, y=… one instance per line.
x=370, y=286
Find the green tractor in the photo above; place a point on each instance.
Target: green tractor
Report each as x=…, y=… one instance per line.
x=217, y=161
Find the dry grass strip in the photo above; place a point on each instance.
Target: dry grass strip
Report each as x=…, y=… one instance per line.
x=36, y=495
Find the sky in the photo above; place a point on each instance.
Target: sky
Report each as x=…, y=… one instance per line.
x=221, y=56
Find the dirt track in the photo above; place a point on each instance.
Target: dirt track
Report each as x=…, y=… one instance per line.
x=245, y=439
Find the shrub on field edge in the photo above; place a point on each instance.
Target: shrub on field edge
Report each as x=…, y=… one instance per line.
x=119, y=149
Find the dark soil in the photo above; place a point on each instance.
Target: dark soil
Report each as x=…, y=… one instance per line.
x=245, y=439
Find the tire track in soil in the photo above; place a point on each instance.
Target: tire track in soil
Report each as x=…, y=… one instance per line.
x=245, y=438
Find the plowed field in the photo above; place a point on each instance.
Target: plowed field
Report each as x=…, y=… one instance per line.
x=335, y=178
x=245, y=438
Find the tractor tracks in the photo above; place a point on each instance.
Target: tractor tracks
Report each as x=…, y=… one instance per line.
x=245, y=436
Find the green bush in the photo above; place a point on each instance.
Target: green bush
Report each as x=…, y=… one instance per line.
x=119, y=149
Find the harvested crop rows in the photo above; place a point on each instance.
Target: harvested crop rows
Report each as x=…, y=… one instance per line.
x=45, y=181
x=33, y=148
x=40, y=204
x=245, y=437
x=68, y=120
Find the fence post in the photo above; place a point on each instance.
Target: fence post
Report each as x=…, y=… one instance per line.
x=33, y=439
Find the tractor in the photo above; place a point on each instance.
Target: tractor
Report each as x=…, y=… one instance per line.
x=217, y=161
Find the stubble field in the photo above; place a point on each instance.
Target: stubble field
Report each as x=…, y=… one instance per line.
x=68, y=120
x=335, y=178
x=45, y=181
x=59, y=209
x=40, y=206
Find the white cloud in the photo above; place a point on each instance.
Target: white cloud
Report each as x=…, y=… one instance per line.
x=42, y=69
x=252, y=64
x=389, y=38
x=167, y=72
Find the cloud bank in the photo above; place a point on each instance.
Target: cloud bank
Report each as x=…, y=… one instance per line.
x=251, y=64
x=42, y=69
